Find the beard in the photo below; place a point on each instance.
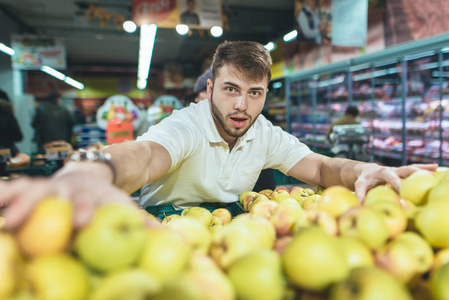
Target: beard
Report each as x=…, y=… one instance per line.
x=218, y=116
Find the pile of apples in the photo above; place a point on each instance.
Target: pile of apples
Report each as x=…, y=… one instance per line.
x=296, y=243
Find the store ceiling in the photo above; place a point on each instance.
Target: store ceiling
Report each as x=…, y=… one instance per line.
x=92, y=48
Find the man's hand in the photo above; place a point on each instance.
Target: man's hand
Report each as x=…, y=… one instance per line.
x=374, y=175
x=86, y=193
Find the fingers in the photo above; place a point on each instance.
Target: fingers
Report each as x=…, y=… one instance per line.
x=22, y=196
x=83, y=210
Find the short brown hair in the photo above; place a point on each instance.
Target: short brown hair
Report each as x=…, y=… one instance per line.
x=249, y=58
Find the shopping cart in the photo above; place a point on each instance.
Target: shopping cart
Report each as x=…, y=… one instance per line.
x=349, y=142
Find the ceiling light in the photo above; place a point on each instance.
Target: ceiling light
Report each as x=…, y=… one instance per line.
x=277, y=85
x=146, y=45
x=129, y=26
x=60, y=76
x=7, y=50
x=270, y=46
x=290, y=36
x=216, y=31
x=182, y=29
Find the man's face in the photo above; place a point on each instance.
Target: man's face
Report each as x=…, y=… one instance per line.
x=235, y=102
x=191, y=6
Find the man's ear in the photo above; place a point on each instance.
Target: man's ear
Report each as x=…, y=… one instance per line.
x=210, y=86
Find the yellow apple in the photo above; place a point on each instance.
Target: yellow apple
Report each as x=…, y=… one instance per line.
x=311, y=202
x=439, y=192
x=165, y=254
x=422, y=251
x=264, y=209
x=51, y=221
x=439, y=283
x=200, y=213
x=394, y=216
x=357, y=254
x=258, y=275
x=259, y=198
x=114, y=238
x=432, y=222
x=313, y=261
x=399, y=260
x=9, y=265
x=285, y=217
x=170, y=218
x=58, y=277
x=416, y=186
x=441, y=258
x=193, y=231
x=280, y=194
x=266, y=192
x=336, y=200
x=381, y=193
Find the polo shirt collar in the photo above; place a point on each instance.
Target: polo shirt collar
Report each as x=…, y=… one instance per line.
x=211, y=130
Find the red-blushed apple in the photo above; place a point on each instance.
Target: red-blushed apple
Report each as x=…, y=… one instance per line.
x=264, y=209
x=313, y=261
x=223, y=214
x=242, y=196
x=398, y=260
x=393, y=215
x=280, y=194
x=281, y=243
x=193, y=231
x=336, y=200
x=381, y=193
x=311, y=202
x=298, y=194
x=281, y=188
x=318, y=218
x=259, y=198
x=285, y=217
x=266, y=192
x=249, y=197
x=366, y=224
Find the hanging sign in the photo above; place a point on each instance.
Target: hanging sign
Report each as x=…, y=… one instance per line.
x=118, y=108
x=349, y=23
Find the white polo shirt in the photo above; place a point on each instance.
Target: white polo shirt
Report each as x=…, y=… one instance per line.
x=203, y=169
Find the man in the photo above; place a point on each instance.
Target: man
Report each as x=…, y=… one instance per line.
x=200, y=88
x=52, y=122
x=190, y=17
x=211, y=151
x=348, y=118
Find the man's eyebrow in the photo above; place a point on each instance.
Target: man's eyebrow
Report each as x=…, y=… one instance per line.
x=231, y=84
x=256, y=88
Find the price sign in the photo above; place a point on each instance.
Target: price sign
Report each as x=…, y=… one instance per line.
x=57, y=153
x=5, y=154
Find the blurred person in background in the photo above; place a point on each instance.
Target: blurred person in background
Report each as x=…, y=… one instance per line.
x=201, y=85
x=309, y=22
x=348, y=118
x=190, y=17
x=52, y=122
x=9, y=128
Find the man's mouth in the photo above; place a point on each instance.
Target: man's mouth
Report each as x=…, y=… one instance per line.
x=239, y=121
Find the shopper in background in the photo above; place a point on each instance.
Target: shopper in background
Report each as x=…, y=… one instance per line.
x=211, y=151
x=190, y=17
x=52, y=122
x=9, y=128
x=201, y=85
x=309, y=22
x=348, y=118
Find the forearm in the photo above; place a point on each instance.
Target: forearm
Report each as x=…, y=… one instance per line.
x=130, y=161
x=341, y=171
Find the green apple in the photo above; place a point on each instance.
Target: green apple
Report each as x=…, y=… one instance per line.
x=285, y=217
x=58, y=277
x=193, y=231
x=416, y=186
x=432, y=222
x=394, y=216
x=200, y=213
x=357, y=254
x=439, y=283
x=336, y=200
x=113, y=239
x=421, y=249
x=369, y=283
x=258, y=275
x=313, y=261
x=223, y=214
x=165, y=254
x=9, y=265
x=381, y=193
x=366, y=224
x=132, y=284
x=399, y=260
x=170, y=218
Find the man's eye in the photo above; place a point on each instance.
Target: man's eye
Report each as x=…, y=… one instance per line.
x=255, y=93
x=230, y=89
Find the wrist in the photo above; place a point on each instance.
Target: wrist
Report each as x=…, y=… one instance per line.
x=95, y=157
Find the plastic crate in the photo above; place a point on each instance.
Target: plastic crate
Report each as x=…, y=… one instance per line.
x=164, y=210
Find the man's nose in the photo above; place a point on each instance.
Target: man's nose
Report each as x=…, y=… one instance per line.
x=242, y=103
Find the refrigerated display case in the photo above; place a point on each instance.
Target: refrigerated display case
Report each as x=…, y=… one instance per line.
x=402, y=97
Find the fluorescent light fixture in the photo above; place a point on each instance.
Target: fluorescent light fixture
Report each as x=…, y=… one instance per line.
x=182, y=29
x=7, y=50
x=60, y=76
x=53, y=72
x=74, y=83
x=270, y=46
x=129, y=26
x=216, y=31
x=146, y=45
x=277, y=85
x=141, y=84
x=290, y=36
